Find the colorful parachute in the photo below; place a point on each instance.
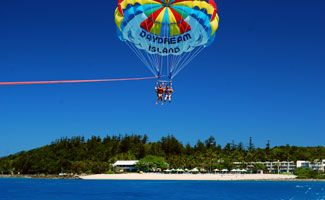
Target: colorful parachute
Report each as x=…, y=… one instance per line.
x=166, y=34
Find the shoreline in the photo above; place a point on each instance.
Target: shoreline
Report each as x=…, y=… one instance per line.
x=169, y=177
x=191, y=177
x=50, y=176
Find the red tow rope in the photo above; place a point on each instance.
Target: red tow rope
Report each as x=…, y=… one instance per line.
x=73, y=81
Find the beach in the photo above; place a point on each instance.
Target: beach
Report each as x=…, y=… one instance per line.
x=188, y=177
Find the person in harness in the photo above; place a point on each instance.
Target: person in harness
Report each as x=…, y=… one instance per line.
x=168, y=93
x=160, y=92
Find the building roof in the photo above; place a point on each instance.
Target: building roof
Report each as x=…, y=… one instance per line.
x=125, y=162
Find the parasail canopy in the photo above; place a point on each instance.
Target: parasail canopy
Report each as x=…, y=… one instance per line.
x=166, y=34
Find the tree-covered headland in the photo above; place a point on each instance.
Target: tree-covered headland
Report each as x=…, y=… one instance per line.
x=96, y=155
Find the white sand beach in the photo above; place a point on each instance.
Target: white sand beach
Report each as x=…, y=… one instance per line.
x=189, y=177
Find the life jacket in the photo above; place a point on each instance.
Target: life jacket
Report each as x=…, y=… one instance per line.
x=169, y=91
x=160, y=90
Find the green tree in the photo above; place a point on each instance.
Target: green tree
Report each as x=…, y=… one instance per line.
x=251, y=146
x=150, y=163
x=305, y=173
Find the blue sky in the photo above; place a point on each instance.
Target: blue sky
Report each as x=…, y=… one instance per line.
x=262, y=77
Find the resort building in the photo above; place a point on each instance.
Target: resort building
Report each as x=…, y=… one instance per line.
x=303, y=164
x=281, y=167
x=125, y=165
x=273, y=167
x=277, y=167
x=316, y=165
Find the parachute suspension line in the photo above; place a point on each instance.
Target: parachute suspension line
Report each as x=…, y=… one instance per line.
x=176, y=65
x=180, y=62
x=189, y=57
x=138, y=53
x=153, y=63
x=170, y=66
x=184, y=59
x=150, y=60
x=192, y=57
x=161, y=64
x=187, y=61
x=181, y=59
x=154, y=57
x=173, y=64
x=150, y=63
x=157, y=63
x=183, y=56
x=154, y=60
x=168, y=62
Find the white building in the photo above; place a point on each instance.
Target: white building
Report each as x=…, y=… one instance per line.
x=316, y=165
x=280, y=166
x=273, y=167
x=303, y=164
x=125, y=165
x=286, y=166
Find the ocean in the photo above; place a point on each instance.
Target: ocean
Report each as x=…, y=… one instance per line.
x=45, y=189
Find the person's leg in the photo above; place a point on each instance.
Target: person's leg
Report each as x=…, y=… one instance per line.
x=157, y=100
x=161, y=99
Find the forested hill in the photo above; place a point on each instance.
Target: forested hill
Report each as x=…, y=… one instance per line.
x=95, y=155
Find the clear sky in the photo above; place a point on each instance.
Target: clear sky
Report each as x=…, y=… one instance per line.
x=262, y=77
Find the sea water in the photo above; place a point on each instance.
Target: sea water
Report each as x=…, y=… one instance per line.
x=41, y=189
